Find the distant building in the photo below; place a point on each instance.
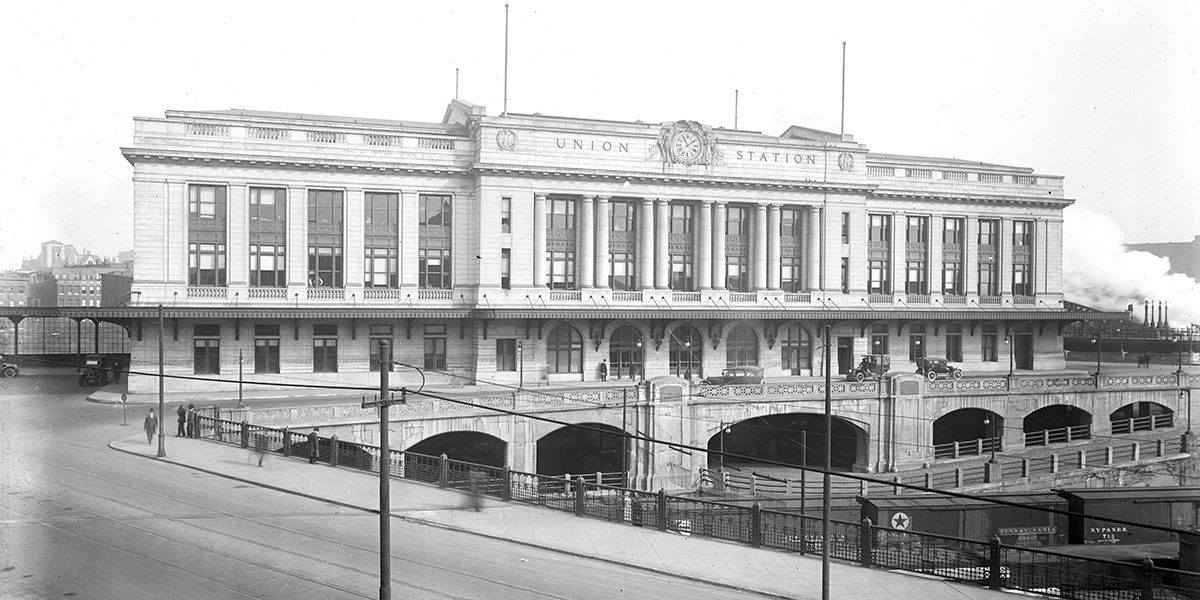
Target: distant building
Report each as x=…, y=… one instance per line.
x=14, y=288
x=115, y=288
x=1184, y=256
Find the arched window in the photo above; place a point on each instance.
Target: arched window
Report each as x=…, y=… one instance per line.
x=741, y=347
x=796, y=347
x=687, y=352
x=564, y=350
x=625, y=353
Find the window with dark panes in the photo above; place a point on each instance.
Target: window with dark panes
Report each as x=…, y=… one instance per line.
x=737, y=220
x=560, y=270
x=877, y=277
x=989, y=230
x=741, y=347
x=505, y=215
x=505, y=268
x=206, y=345
x=789, y=274
x=268, y=205
x=737, y=274
x=879, y=339
x=433, y=268
x=207, y=201
x=206, y=264
x=266, y=348
x=435, y=346
x=954, y=347
x=622, y=269
x=952, y=281
x=564, y=350
x=915, y=278
x=325, y=346
x=880, y=229
x=681, y=218
x=325, y=236
x=622, y=216
x=1022, y=233
x=952, y=231
x=1020, y=283
x=989, y=341
x=268, y=266
x=434, y=210
x=380, y=333
x=506, y=354
x=562, y=213
x=845, y=228
x=325, y=266
x=916, y=343
x=681, y=272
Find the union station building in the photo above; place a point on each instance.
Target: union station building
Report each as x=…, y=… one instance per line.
x=526, y=249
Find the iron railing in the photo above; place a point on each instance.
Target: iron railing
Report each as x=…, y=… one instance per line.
x=1042, y=571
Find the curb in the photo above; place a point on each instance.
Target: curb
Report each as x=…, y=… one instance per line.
x=454, y=528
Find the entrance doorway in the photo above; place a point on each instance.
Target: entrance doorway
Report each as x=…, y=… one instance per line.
x=1023, y=351
x=845, y=354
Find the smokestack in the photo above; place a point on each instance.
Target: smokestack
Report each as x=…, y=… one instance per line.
x=1146, y=313
x=1166, y=321
x=1159, y=323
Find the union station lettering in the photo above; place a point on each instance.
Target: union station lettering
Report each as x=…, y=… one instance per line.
x=776, y=157
x=601, y=145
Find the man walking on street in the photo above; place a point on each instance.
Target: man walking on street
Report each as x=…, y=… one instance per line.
x=182, y=412
x=150, y=425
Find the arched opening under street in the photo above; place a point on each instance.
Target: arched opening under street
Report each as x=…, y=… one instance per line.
x=1141, y=416
x=587, y=448
x=1057, y=424
x=467, y=446
x=967, y=432
x=793, y=438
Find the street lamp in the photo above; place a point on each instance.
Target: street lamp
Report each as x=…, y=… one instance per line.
x=641, y=364
x=1189, y=410
x=688, y=346
x=1179, y=363
x=1009, y=342
x=1096, y=341
x=521, y=355
x=991, y=429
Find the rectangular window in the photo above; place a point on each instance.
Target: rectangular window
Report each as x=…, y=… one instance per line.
x=877, y=277
x=790, y=223
x=206, y=264
x=506, y=354
x=325, y=210
x=952, y=283
x=433, y=268
x=1022, y=233
x=988, y=343
x=622, y=216
x=381, y=269
x=789, y=274
x=376, y=334
x=879, y=339
x=737, y=274
x=381, y=210
x=1020, y=283
x=954, y=346
x=435, y=347
x=952, y=231
x=987, y=279
x=325, y=344
x=681, y=272
x=562, y=214
x=623, y=271
x=206, y=201
x=561, y=270
x=880, y=229
x=505, y=214
x=505, y=268
x=266, y=348
x=914, y=282
x=206, y=345
x=325, y=266
x=268, y=205
x=681, y=218
x=845, y=228
x=267, y=265
x=845, y=275
x=434, y=209
x=918, y=230
x=737, y=221
x=989, y=231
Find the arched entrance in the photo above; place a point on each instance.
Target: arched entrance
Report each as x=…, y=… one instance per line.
x=1057, y=424
x=795, y=438
x=1141, y=416
x=467, y=446
x=589, y=448
x=564, y=350
x=687, y=352
x=625, y=353
x=967, y=432
x=741, y=347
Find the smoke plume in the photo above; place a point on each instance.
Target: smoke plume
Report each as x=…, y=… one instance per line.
x=1099, y=272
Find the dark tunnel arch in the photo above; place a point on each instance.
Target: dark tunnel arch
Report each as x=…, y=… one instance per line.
x=589, y=448
x=794, y=438
x=467, y=446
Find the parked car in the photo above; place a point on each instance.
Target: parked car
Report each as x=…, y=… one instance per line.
x=735, y=376
x=95, y=370
x=7, y=369
x=872, y=366
x=933, y=367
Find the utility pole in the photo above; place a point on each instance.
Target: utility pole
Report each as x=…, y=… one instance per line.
x=162, y=448
x=825, y=493
x=385, y=508
x=239, y=377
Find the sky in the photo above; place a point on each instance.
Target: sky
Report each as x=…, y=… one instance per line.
x=1102, y=92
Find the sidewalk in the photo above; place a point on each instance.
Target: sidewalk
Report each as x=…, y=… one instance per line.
x=778, y=573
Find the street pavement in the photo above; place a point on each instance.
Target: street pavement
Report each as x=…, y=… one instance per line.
x=765, y=571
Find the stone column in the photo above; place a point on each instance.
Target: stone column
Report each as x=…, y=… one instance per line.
x=813, y=247
x=759, y=248
x=773, y=253
x=720, y=269
x=587, y=242
x=645, y=243
x=603, y=225
x=539, y=240
x=662, y=266
x=705, y=247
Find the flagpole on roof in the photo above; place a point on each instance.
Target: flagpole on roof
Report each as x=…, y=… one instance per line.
x=843, y=129
x=504, y=111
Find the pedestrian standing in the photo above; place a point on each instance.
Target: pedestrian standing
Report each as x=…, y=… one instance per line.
x=604, y=369
x=313, y=452
x=182, y=412
x=191, y=420
x=150, y=424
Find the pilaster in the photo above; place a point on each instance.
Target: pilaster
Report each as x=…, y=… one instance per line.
x=661, y=265
x=704, y=271
x=720, y=270
x=587, y=242
x=539, y=240
x=773, y=247
x=759, y=248
x=603, y=225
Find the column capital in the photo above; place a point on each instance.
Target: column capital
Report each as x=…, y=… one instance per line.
x=707, y=202
x=603, y=198
x=774, y=207
x=588, y=197
x=541, y=196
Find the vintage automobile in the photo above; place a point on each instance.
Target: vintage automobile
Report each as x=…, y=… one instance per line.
x=95, y=370
x=872, y=366
x=8, y=369
x=933, y=367
x=735, y=376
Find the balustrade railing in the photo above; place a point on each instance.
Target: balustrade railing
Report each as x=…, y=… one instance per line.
x=627, y=296
x=989, y=300
x=797, y=298
x=1061, y=435
x=1146, y=423
x=435, y=294
x=208, y=129
x=325, y=293
x=435, y=143
x=879, y=298
x=743, y=297
x=266, y=133
x=381, y=294
x=566, y=295
x=207, y=292
x=954, y=299
x=692, y=297
x=267, y=293
x=960, y=448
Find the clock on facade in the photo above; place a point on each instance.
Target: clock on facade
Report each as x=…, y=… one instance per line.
x=686, y=146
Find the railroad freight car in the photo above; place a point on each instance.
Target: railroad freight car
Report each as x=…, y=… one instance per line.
x=1022, y=525
x=1174, y=507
